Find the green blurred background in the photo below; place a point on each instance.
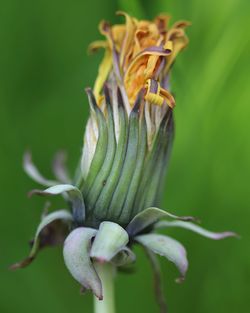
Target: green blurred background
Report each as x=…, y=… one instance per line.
x=44, y=69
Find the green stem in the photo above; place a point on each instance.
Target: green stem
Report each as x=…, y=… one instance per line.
x=106, y=272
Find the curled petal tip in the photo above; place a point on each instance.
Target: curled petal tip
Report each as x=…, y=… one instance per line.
x=120, y=12
x=104, y=27
x=183, y=24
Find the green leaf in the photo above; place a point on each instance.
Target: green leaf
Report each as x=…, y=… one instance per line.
x=76, y=257
x=167, y=247
x=111, y=238
x=195, y=228
x=47, y=234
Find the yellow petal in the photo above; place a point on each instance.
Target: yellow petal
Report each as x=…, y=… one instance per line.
x=168, y=97
x=178, y=45
x=118, y=33
x=105, y=29
x=96, y=45
x=152, y=62
x=103, y=72
x=181, y=24
x=162, y=21
x=128, y=38
x=138, y=35
x=140, y=55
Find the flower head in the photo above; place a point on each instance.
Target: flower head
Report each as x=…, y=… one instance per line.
x=139, y=52
x=131, y=117
x=128, y=138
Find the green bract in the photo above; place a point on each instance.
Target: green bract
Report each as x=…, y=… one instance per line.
x=124, y=174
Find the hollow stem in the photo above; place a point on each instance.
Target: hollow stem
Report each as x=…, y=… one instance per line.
x=106, y=273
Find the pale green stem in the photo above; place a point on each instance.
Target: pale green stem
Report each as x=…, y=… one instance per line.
x=106, y=272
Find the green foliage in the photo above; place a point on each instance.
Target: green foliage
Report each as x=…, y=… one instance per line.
x=44, y=69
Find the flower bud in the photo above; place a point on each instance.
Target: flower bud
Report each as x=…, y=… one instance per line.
x=130, y=130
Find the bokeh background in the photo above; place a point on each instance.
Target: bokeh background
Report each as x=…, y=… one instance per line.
x=43, y=71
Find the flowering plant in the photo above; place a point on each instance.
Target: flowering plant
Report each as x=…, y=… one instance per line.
x=114, y=197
